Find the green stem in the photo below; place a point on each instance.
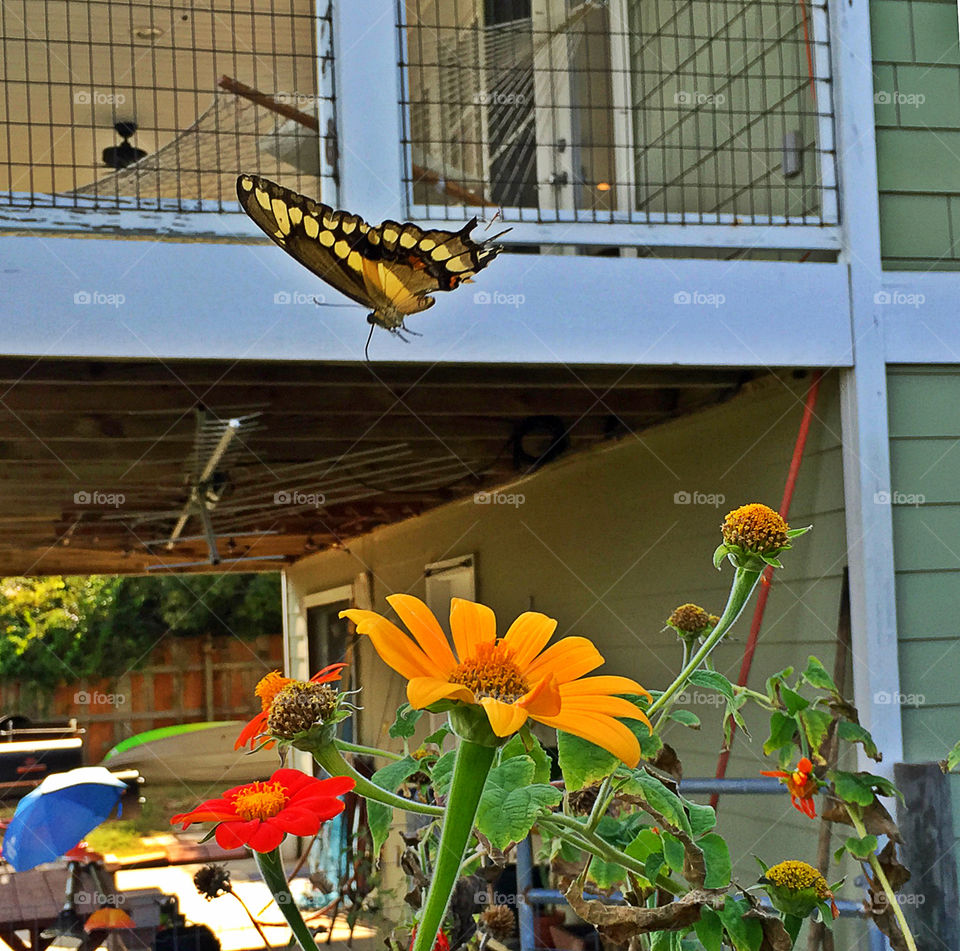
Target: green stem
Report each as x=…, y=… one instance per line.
x=365, y=750
x=330, y=759
x=470, y=771
x=881, y=875
x=271, y=868
x=600, y=804
x=744, y=581
x=578, y=835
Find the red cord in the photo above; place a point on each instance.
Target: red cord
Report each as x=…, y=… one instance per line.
x=806, y=43
x=791, y=483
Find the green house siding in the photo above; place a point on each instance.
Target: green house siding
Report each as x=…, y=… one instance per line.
x=916, y=57
x=924, y=419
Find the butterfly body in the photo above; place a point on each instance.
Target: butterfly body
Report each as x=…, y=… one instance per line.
x=393, y=268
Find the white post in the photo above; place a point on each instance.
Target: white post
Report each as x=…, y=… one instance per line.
x=866, y=446
x=368, y=87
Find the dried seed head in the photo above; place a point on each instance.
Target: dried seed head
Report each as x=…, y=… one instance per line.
x=300, y=706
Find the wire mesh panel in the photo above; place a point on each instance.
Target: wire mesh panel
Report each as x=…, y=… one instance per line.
x=619, y=110
x=132, y=103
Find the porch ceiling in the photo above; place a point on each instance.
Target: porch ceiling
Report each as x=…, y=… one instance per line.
x=97, y=458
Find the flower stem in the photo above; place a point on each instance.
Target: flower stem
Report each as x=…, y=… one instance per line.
x=330, y=759
x=470, y=771
x=366, y=750
x=271, y=868
x=854, y=814
x=744, y=581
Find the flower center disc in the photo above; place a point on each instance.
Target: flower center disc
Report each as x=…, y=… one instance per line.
x=260, y=801
x=491, y=673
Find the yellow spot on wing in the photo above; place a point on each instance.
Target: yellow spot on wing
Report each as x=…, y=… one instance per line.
x=280, y=214
x=462, y=263
x=246, y=183
x=354, y=260
x=391, y=235
x=263, y=199
x=348, y=225
x=311, y=226
x=326, y=239
x=296, y=215
x=374, y=236
x=440, y=253
x=341, y=249
x=407, y=240
x=427, y=244
x=330, y=221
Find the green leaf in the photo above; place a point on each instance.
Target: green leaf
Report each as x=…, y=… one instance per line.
x=606, y=874
x=714, y=681
x=854, y=733
x=859, y=848
x=582, y=763
x=650, y=743
x=816, y=725
x=686, y=717
x=665, y=941
x=666, y=802
x=512, y=802
x=702, y=818
x=645, y=843
x=717, y=857
x=673, y=851
x=792, y=700
x=953, y=758
x=746, y=934
x=709, y=930
x=654, y=863
x=794, y=532
x=851, y=788
x=405, y=724
x=379, y=816
x=442, y=773
x=782, y=730
x=774, y=680
x=792, y=925
x=817, y=676
x=719, y=555
x=438, y=736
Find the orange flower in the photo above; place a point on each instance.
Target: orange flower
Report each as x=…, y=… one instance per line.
x=267, y=690
x=108, y=919
x=801, y=784
x=259, y=815
x=512, y=678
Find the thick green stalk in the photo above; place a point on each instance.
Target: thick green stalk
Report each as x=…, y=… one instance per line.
x=470, y=771
x=744, y=581
x=271, y=868
x=330, y=759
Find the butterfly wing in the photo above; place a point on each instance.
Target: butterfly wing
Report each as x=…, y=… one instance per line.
x=393, y=268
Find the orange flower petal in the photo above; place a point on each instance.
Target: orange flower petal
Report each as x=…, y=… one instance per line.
x=567, y=660
x=602, y=730
x=394, y=647
x=528, y=635
x=108, y=918
x=612, y=706
x=424, y=627
x=544, y=700
x=471, y=624
x=505, y=718
x=606, y=684
x=422, y=691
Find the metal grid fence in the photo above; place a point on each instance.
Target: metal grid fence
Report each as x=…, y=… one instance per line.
x=700, y=111
x=152, y=104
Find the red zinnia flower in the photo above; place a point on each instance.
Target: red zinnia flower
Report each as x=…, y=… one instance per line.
x=108, y=919
x=441, y=944
x=259, y=815
x=802, y=785
x=267, y=690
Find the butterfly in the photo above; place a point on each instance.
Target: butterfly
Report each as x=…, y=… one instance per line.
x=392, y=268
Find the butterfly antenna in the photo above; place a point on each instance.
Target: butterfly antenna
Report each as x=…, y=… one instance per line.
x=366, y=349
x=493, y=219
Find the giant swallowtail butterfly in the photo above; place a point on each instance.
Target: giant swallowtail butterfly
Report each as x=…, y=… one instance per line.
x=392, y=268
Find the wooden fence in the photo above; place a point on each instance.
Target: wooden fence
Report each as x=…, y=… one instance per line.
x=183, y=680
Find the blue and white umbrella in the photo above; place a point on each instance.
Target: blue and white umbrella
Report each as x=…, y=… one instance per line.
x=53, y=818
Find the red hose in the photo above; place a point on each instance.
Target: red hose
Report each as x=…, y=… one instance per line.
x=806, y=43
x=750, y=649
